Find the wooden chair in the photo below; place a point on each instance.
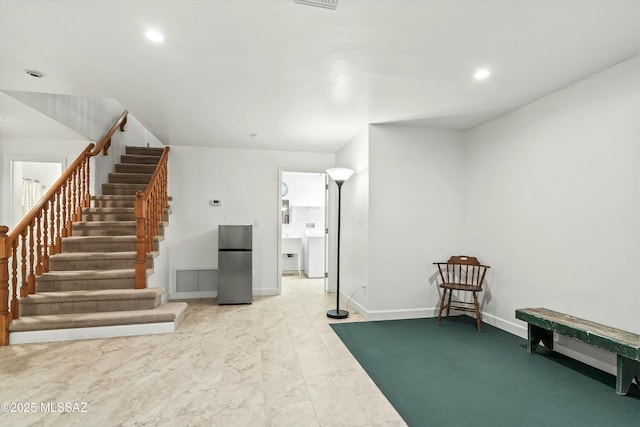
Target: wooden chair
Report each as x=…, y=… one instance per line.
x=461, y=274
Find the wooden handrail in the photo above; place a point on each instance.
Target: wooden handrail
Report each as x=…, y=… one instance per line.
x=149, y=209
x=40, y=232
x=105, y=142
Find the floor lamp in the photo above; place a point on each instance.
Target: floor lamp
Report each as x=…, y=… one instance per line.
x=339, y=175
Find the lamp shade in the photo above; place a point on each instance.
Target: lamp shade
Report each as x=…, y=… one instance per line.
x=340, y=175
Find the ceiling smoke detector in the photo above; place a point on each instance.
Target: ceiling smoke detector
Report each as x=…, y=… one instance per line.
x=327, y=4
x=35, y=73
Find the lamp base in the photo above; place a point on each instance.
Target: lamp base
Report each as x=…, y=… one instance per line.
x=338, y=314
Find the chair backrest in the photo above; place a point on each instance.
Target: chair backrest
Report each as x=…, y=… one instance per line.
x=465, y=270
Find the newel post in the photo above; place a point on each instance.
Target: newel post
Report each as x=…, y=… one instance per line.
x=140, y=210
x=5, y=316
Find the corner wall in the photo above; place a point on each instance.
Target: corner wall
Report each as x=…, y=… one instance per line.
x=553, y=203
x=415, y=216
x=354, y=227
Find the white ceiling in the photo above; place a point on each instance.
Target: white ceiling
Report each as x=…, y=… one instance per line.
x=307, y=78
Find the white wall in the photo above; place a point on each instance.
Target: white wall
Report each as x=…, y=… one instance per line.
x=553, y=202
x=305, y=188
x=246, y=183
x=416, y=203
x=354, y=233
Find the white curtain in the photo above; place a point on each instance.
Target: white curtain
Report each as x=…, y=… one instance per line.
x=32, y=192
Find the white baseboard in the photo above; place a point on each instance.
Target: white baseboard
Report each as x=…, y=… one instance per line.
x=265, y=292
x=74, y=334
x=373, y=315
x=214, y=294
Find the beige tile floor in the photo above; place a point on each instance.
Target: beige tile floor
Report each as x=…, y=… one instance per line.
x=275, y=362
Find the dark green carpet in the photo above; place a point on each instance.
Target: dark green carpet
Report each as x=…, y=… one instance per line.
x=452, y=375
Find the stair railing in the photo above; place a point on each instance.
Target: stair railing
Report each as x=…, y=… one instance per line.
x=149, y=208
x=25, y=252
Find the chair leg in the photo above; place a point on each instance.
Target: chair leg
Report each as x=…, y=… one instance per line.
x=478, y=320
x=444, y=295
x=449, y=302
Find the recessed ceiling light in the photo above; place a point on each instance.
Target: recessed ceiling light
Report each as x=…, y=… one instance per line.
x=154, y=36
x=481, y=74
x=35, y=73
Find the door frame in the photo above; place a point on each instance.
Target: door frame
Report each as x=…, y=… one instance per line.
x=328, y=252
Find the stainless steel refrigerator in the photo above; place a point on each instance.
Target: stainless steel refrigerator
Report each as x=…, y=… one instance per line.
x=235, y=264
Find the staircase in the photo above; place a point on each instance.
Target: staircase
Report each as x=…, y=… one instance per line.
x=89, y=291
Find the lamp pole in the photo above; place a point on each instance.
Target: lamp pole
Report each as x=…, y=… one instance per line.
x=339, y=175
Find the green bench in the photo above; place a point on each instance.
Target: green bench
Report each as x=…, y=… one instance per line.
x=542, y=323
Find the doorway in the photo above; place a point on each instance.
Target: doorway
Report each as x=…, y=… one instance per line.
x=29, y=181
x=302, y=224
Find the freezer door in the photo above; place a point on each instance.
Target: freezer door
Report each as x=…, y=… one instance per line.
x=234, y=237
x=234, y=277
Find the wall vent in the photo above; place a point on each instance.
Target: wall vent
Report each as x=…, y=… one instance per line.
x=196, y=280
x=327, y=4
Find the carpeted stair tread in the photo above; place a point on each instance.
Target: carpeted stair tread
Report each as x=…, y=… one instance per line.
x=129, y=178
x=91, y=295
x=139, y=159
x=123, y=189
x=121, y=243
x=135, y=168
x=98, y=239
x=99, y=224
x=108, y=214
x=89, y=274
x=148, y=151
x=114, y=210
x=88, y=301
x=169, y=312
x=70, y=256
x=114, y=197
x=96, y=260
x=76, y=280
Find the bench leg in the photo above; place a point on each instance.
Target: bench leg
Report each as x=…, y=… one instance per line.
x=628, y=369
x=537, y=334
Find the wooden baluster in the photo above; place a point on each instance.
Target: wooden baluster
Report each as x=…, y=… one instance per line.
x=52, y=225
x=87, y=182
x=45, y=239
x=58, y=247
x=63, y=219
x=39, y=245
x=77, y=193
x=156, y=217
x=154, y=230
x=31, y=279
x=141, y=244
x=154, y=221
x=71, y=208
x=165, y=187
x=24, y=291
x=74, y=196
x=5, y=315
x=149, y=223
x=15, y=303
